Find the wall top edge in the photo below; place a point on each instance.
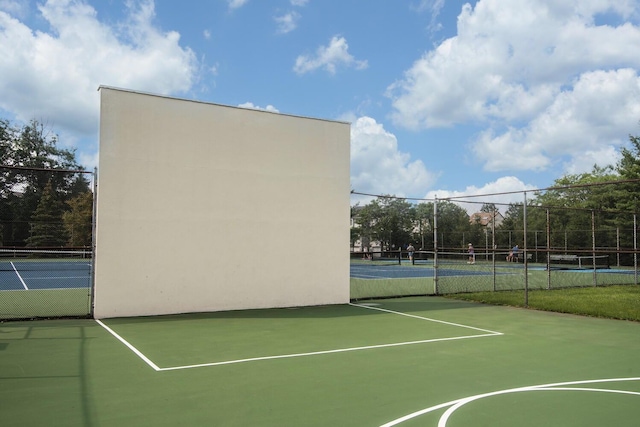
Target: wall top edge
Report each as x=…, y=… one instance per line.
x=138, y=92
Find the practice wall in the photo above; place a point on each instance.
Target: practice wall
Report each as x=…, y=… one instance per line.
x=204, y=207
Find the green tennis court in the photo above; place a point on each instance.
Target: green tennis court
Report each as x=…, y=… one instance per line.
x=426, y=361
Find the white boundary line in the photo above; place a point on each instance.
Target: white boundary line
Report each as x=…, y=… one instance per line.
x=426, y=318
x=19, y=276
x=454, y=405
x=313, y=353
x=131, y=347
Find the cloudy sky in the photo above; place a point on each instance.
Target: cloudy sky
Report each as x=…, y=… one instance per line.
x=445, y=97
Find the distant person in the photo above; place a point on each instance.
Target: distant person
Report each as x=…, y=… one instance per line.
x=411, y=250
x=472, y=256
x=514, y=253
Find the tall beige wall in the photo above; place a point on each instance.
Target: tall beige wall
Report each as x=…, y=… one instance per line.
x=203, y=207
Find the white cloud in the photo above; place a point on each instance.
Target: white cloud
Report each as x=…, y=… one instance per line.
x=378, y=167
x=329, y=57
x=236, y=4
x=53, y=76
x=250, y=105
x=299, y=3
x=547, y=89
x=502, y=191
x=433, y=6
x=582, y=126
x=584, y=162
x=15, y=7
x=287, y=22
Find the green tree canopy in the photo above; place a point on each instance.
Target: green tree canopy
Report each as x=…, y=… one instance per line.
x=629, y=169
x=388, y=220
x=453, y=225
x=78, y=220
x=47, y=228
x=31, y=161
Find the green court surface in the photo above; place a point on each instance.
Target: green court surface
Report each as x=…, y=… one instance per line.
x=418, y=361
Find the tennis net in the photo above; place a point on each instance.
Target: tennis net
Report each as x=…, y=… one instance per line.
x=377, y=257
x=578, y=262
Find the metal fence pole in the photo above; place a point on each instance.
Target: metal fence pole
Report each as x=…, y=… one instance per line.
x=93, y=242
x=493, y=247
x=524, y=252
x=548, y=250
x=593, y=247
x=635, y=249
x=435, y=245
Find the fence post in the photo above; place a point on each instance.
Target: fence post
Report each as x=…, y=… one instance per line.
x=635, y=249
x=93, y=241
x=593, y=246
x=524, y=252
x=435, y=245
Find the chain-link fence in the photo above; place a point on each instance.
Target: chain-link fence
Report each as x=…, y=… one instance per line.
x=46, y=243
x=533, y=247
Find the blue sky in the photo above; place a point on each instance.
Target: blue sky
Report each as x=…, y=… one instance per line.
x=445, y=97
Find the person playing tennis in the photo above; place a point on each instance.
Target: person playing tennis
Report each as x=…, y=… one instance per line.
x=411, y=250
x=472, y=256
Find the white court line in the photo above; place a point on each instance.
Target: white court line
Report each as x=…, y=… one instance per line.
x=19, y=276
x=456, y=404
x=313, y=353
x=426, y=318
x=131, y=347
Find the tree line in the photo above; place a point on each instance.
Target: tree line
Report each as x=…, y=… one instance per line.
x=566, y=212
x=42, y=202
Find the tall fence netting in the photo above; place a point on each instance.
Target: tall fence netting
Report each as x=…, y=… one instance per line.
x=46, y=243
x=534, y=247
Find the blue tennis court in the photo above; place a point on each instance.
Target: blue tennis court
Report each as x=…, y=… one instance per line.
x=391, y=271
x=48, y=274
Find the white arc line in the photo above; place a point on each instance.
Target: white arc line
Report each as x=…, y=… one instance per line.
x=19, y=276
x=456, y=404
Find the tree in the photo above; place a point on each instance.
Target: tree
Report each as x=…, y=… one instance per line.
x=388, y=220
x=629, y=169
x=423, y=229
x=47, y=228
x=489, y=208
x=571, y=203
x=28, y=156
x=453, y=225
x=78, y=220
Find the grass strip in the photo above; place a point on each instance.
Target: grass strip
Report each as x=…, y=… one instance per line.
x=612, y=302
